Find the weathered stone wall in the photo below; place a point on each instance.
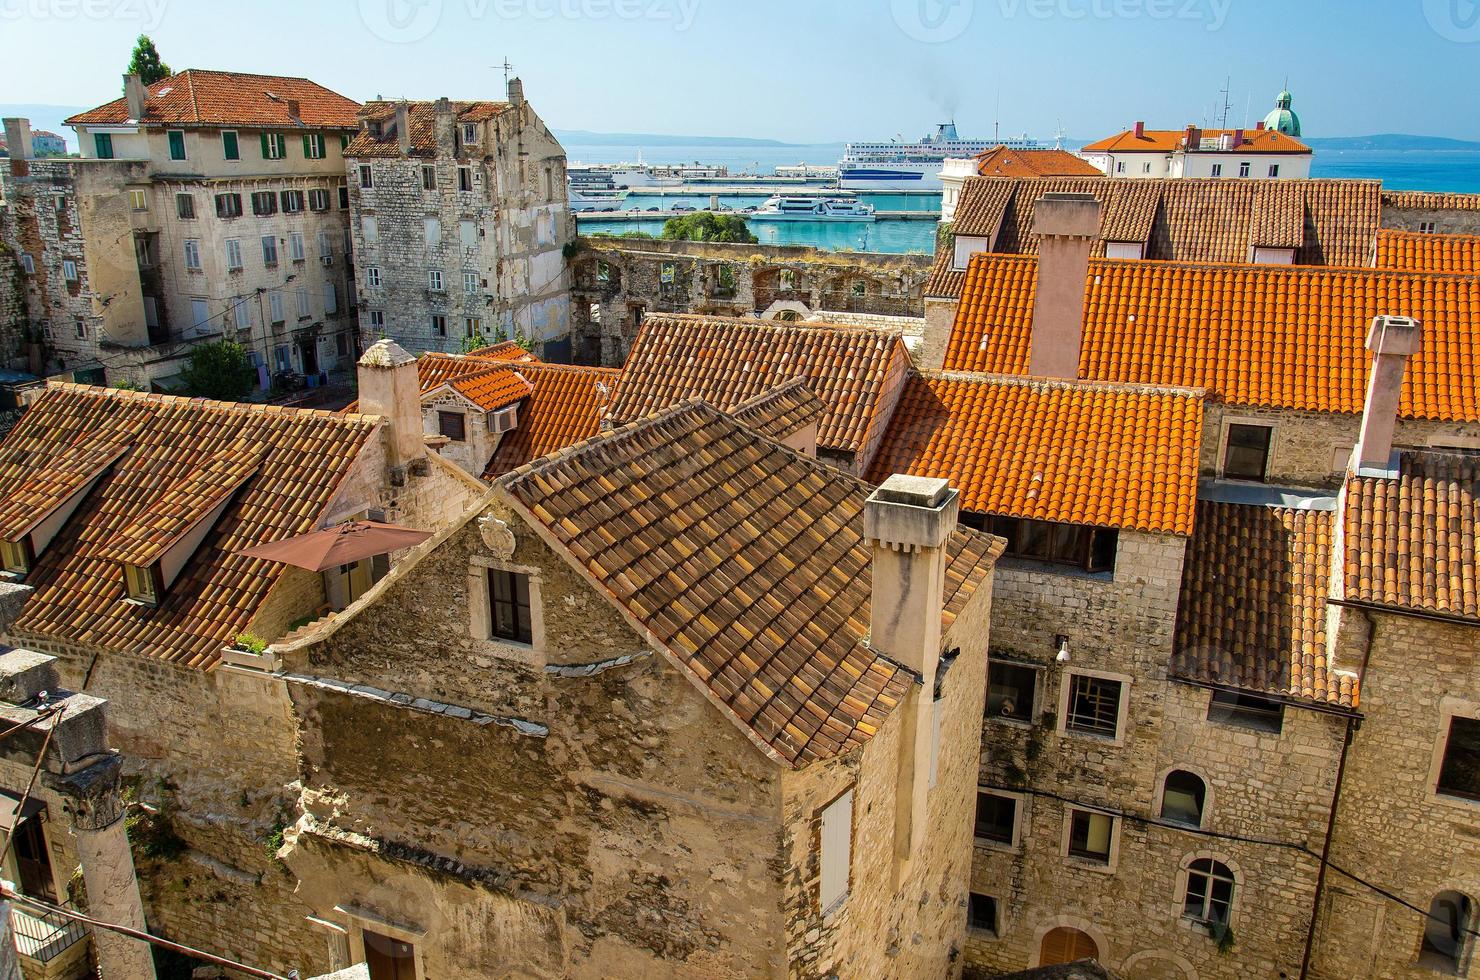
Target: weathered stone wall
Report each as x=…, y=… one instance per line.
x=636, y=825
x=521, y=224
x=1445, y=221
x=13, y=317
x=1311, y=449
x=1392, y=828
x=907, y=927
x=617, y=280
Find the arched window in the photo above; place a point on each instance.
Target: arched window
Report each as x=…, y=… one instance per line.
x=1067, y=945
x=1451, y=915
x=1209, y=897
x=1182, y=798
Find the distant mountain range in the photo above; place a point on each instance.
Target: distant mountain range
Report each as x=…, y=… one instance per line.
x=588, y=138
x=1394, y=142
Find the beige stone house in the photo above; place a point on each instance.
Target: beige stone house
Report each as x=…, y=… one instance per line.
x=460, y=223
x=626, y=740
x=123, y=514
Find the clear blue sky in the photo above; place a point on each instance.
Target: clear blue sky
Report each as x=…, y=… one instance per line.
x=804, y=70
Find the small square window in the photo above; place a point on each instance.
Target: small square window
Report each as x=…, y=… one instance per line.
x=439, y=324
x=434, y=280
x=377, y=319
x=471, y=283
x=344, y=198
x=1274, y=170
x=292, y=202
x=367, y=179
x=177, y=145
x=372, y=275
x=465, y=179
x=472, y=326
x=230, y=146
x=428, y=178
x=1011, y=691
x=470, y=133
x=1459, y=774
x=508, y=606
x=264, y=204
x=1094, y=706
x=1247, y=454
x=1089, y=835
x=1246, y=711
x=69, y=270
x=28, y=263
x=228, y=205
x=138, y=200
x=15, y=556
x=1217, y=170
x=274, y=146
x=185, y=206
x=996, y=818
x=981, y=914
x=453, y=425
x=140, y=584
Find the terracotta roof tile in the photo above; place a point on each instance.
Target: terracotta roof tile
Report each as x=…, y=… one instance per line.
x=225, y=98
x=781, y=411
x=1169, y=140
x=1106, y=455
x=1327, y=222
x=1278, y=337
x=505, y=350
x=1408, y=252
x=565, y=407
x=494, y=389
x=727, y=361
x=78, y=594
x=1430, y=201
x=746, y=561
x=423, y=118
x=1410, y=542
x=1007, y=162
x=1252, y=613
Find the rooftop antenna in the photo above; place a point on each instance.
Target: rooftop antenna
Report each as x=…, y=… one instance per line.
x=997, y=117
x=1248, y=107
x=508, y=68
x=1223, y=99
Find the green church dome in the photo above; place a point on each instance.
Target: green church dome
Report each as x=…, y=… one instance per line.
x=1282, y=118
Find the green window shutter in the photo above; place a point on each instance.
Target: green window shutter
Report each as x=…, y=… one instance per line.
x=230, y=148
x=104, y=144
x=343, y=143
x=177, y=146
x=307, y=147
x=266, y=150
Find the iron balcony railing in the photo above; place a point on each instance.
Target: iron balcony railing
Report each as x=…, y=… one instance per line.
x=41, y=935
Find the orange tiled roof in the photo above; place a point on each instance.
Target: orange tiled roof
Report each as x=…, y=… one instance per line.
x=1107, y=455
x=227, y=98
x=423, y=118
x=1430, y=201
x=1252, y=614
x=1005, y=162
x=566, y=407
x=69, y=469
x=1409, y=252
x=1410, y=542
x=434, y=370
x=781, y=411
x=727, y=361
x=1327, y=222
x=495, y=389
x=772, y=621
x=1271, y=336
x=78, y=596
x=1169, y=140
x=506, y=350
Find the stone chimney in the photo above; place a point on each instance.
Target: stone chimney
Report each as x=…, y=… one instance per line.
x=907, y=522
x=1189, y=138
x=446, y=126
x=389, y=387
x=1238, y=138
x=18, y=138
x=1140, y=130
x=295, y=110
x=1259, y=126
x=135, y=92
x=1066, y=226
x=516, y=92
x=1392, y=340
x=403, y=127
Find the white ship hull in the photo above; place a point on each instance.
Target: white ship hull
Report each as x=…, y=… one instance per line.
x=829, y=218
x=893, y=177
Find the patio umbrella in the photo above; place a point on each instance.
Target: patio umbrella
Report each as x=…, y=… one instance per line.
x=342, y=544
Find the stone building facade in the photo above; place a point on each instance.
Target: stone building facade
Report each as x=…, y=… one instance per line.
x=617, y=281
x=461, y=223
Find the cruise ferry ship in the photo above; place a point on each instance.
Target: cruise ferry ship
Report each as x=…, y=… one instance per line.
x=812, y=207
x=896, y=166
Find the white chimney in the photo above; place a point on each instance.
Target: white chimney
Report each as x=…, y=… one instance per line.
x=18, y=137
x=389, y=387
x=907, y=522
x=403, y=127
x=1067, y=226
x=135, y=92
x=1392, y=340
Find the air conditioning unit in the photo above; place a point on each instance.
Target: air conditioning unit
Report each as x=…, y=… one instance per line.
x=504, y=421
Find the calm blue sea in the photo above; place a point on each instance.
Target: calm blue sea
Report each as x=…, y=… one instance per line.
x=1457, y=171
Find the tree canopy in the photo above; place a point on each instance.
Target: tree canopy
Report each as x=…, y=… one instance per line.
x=220, y=371
x=706, y=226
x=146, y=62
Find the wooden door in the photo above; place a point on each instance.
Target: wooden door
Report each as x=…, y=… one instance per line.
x=389, y=959
x=1066, y=945
x=33, y=862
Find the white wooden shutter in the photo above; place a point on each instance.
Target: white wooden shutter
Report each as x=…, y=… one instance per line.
x=837, y=848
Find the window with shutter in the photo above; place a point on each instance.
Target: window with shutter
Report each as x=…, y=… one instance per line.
x=230, y=146
x=103, y=143
x=837, y=852
x=1066, y=945
x=177, y=145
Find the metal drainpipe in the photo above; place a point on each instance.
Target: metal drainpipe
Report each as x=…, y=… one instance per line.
x=1346, y=743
